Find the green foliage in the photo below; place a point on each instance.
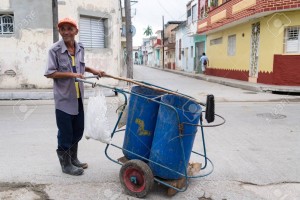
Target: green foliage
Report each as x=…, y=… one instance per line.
x=213, y=3
x=148, y=31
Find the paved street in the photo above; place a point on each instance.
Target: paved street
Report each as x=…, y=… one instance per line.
x=255, y=154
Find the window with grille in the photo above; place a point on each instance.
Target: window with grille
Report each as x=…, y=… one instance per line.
x=231, y=45
x=216, y=41
x=92, y=32
x=292, y=40
x=6, y=24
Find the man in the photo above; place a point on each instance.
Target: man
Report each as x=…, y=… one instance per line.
x=204, y=62
x=65, y=64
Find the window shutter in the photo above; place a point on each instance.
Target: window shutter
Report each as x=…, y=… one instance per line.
x=231, y=45
x=92, y=32
x=97, y=27
x=293, y=40
x=292, y=46
x=85, y=32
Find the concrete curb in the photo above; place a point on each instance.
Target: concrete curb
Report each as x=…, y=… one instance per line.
x=46, y=94
x=256, y=87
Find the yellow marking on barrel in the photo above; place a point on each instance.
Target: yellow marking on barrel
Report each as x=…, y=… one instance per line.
x=141, y=130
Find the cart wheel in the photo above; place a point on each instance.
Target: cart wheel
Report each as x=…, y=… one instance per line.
x=136, y=178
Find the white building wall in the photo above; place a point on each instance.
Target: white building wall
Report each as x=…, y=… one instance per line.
x=5, y=4
x=27, y=58
x=187, y=60
x=150, y=59
x=189, y=43
x=25, y=51
x=188, y=38
x=158, y=55
x=179, y=63
x=107, y=59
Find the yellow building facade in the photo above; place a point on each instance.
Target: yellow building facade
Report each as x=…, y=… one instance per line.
x=272, y=41
x=253, y=40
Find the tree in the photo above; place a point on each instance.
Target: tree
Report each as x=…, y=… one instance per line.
x=148, y=31
x=213, y=3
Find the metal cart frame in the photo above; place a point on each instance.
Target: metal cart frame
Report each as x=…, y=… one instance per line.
x=207, y=161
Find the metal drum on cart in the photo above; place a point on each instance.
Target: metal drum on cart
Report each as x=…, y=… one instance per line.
x=168, y=148
x=142, y=115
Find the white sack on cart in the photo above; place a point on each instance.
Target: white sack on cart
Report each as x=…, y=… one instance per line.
x=96, y=123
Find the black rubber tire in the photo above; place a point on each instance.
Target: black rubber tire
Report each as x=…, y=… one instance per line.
x=144, y=170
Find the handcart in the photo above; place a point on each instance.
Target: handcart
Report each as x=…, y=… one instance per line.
x=167, y=142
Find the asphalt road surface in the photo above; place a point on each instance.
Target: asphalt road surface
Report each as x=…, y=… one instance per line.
x=255, y=153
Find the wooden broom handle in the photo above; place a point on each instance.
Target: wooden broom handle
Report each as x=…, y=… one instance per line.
x=152, y=87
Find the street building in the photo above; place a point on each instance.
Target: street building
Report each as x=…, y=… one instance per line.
x=145, y=49
x=184, y=49
x=158, y=49
x=136, y=55
x=252, y=40
x=27, y=30
x=189, y=45
x=151, y=51
x=169, y=44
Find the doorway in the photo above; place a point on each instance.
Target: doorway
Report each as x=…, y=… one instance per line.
x=186, y=55
x=199, y=51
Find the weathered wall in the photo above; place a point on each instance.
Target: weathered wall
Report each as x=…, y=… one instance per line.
x=186, y=62
x=179, y=62
x=5, y=4
x=107, y=59
x=25, y=51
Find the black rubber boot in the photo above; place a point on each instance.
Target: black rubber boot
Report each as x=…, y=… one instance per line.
x=66, y=165
x=74, y=158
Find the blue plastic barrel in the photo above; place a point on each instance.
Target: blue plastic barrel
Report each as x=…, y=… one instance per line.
x=166, y=146
x=141, y=121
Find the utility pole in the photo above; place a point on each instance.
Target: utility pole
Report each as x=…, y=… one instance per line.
x=55, y=20
x=129, y=61
x=163, y=42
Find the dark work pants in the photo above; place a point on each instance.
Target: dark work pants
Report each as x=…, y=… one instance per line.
x=70, y=127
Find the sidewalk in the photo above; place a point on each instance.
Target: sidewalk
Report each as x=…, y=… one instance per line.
x=257, y=87
x=42, y=94
x=46, y=94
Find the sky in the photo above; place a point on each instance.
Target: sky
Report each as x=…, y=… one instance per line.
x=150, y=12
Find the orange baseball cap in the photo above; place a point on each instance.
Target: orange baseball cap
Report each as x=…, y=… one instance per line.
x=67, y=20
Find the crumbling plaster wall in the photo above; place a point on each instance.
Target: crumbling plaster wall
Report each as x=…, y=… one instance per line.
x=23, y=54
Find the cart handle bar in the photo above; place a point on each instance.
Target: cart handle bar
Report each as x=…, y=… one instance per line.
x=153, y=88
x=212, y=125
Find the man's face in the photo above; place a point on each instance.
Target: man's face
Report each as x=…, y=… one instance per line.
x=68, y=32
